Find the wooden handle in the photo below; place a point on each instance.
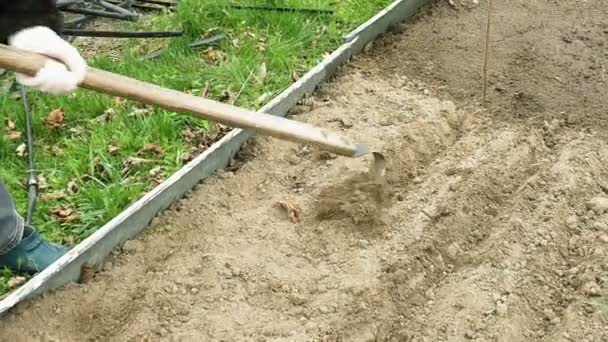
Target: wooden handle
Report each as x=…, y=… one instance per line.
x=103, y=81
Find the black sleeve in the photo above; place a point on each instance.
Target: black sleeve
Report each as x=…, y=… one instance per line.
x=16, y=15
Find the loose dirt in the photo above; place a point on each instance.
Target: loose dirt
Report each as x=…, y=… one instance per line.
x=491, y=224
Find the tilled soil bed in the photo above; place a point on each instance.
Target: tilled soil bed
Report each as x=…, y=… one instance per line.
x=491, y=224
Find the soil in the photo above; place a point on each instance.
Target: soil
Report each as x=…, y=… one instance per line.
x=491, y=223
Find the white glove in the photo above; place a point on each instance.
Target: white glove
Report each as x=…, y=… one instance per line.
x=54, y=77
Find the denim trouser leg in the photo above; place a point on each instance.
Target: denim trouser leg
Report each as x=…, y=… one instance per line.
x=11, y=223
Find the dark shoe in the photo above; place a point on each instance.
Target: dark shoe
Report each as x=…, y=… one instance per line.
x=33, y=254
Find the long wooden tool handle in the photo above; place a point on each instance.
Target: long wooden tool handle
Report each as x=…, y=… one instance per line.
x=99, y=80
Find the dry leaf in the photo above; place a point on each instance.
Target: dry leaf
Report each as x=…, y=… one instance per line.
x=99, y=169
x=154, y=148
x=42, y=181
x=21, y=150
x=78, y=130
x=188, y=135
x=55, y=119
x=155, y=171
x=156, y=176
x=211, y=54
x=73, y=187
x=53, y=196
x=112, y=149
x=140, y=112
x=189, y=156
x=14, y=135
x=12, y=132
x=64, y=215
x=292, y=212
x=131, y=162
x=262, y=73
x=55, y=150
x=118, y=101
x=105, y=117
x=295, y=76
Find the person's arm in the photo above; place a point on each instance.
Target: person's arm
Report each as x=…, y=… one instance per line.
x=33, y=25
x=16, y=15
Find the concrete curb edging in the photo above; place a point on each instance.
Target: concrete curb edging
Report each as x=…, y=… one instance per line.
x=138, y=216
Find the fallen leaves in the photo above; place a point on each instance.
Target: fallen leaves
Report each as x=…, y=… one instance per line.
x=42, y=181
x=78, y=131
x=113, y=149
x=295, y=76
x=53, y=196
x=293, y=213
x=73, y=187
x=132, y=162
x=153, y=148
x=55, y=119
x=262, y=73
x=212, y=54
x=140, y=113
x=64, y=215
x=156, y=176
x=105, y=117
x=11, y=131
x=21, y=150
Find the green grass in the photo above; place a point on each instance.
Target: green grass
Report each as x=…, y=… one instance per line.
x=76, y=156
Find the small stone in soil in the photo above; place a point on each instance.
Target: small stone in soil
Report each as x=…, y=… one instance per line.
x=132, y=246
x=591, y=289
x=598, y=205
x=107, y=266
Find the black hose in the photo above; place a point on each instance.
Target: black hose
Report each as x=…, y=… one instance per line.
x=32, y=181
x=121, y=34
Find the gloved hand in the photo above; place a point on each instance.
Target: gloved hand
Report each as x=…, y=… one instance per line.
x=54, y=77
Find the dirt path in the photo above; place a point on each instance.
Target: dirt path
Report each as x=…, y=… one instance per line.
x=492, y=226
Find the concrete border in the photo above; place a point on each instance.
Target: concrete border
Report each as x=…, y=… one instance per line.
x=137, y=217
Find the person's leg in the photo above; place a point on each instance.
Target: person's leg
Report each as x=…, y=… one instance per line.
x=22, y=248
x=11, y=223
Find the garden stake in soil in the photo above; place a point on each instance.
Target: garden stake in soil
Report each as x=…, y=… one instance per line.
x=266, y=124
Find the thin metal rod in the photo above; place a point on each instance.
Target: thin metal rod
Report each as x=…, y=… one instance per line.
x=121, y=34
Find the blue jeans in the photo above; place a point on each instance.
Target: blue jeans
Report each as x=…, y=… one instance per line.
x=11, y=223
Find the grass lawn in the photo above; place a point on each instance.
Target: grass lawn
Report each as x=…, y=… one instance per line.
x=97, y=154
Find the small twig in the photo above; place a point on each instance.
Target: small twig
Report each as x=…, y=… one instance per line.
x=487, y=53
x=243, y=87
